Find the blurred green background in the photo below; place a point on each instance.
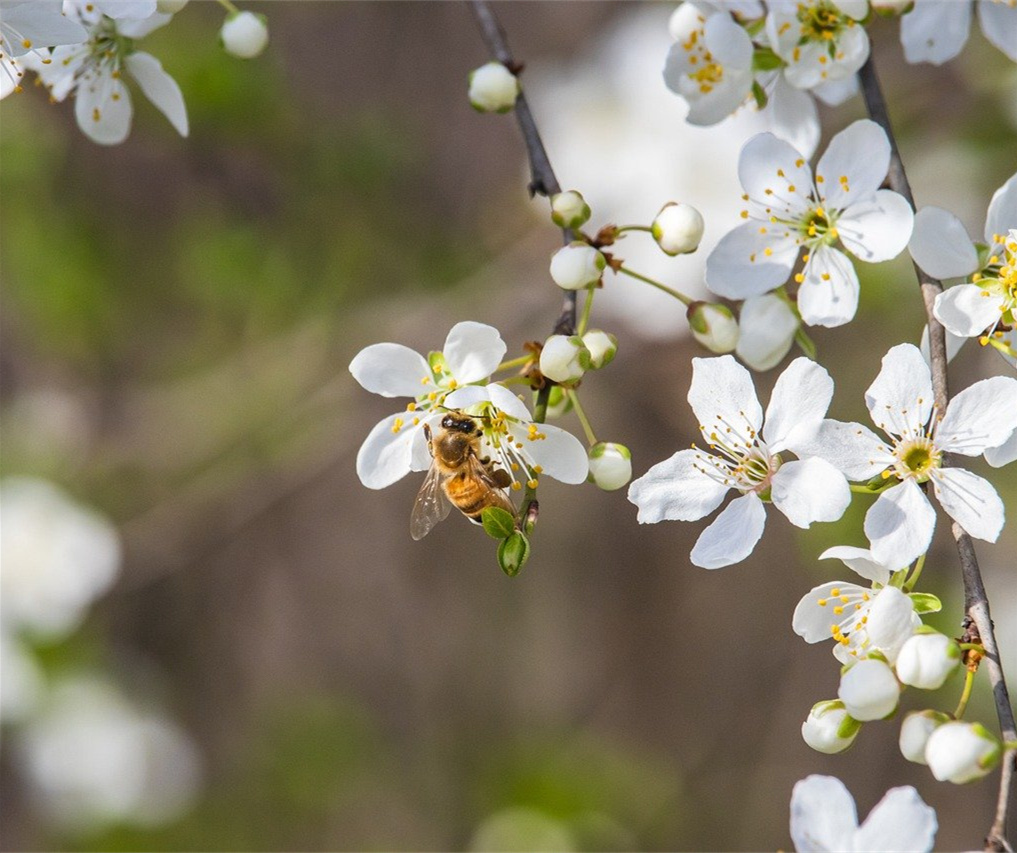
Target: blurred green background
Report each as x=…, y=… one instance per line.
x=178, y=315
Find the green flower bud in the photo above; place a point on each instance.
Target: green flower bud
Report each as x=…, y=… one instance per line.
x=602, y=347
x=569, y=209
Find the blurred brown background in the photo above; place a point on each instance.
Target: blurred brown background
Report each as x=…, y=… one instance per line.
x=178, y=318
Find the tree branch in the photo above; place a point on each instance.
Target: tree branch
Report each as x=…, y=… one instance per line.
x=542, y=182
x=976, y=601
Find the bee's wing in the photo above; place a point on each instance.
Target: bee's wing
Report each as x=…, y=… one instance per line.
x=493, y=482
x=431, y=505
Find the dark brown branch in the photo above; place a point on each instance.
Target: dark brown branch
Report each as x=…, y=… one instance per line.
x=542, y=182
x=976, y=601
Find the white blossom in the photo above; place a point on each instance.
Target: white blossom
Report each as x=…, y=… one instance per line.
x=926, y=659
x=244, y=34
x=745, y=456
x=788, y=211
x=961, y=752
x=824, y=819
x=577, y=265
x=610, y=465
x=766, y=330
x=899, y=525
x=829, y=728
x=493, y=88
x=27, y=27
x=869, y=690
x=935, y=31
x=95, y=73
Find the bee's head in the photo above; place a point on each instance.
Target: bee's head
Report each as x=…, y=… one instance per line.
x=458, y=422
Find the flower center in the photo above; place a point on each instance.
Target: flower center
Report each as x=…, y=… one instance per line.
x=916, y=459
x=738, y=459
x=821, y=21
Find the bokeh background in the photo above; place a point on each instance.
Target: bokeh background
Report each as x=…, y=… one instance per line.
x=245, y=650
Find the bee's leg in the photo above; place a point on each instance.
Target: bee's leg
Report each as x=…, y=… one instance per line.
x=501, y=477
x=427, y=435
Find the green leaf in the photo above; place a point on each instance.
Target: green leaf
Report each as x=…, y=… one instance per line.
x=925, y=602
x=764, y=59
x=759, y=94
x=498, y=523
x=513, y=553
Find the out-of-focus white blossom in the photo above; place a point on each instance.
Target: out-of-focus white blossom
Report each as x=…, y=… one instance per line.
x=493, y=88
x=936, y=32
x=92, y=757
x=824, y=819
x=28, y=27
x=244, y=34
x=57, y=557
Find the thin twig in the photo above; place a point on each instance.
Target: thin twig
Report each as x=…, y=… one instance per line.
x=542, y=180
x=976, y=601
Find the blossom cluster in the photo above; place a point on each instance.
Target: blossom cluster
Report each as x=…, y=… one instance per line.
x=85, y=49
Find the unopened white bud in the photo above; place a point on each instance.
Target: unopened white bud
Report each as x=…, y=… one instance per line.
x=569, y=209
x=610, y=465
x=493, y=88
x=678, y=228
x=829, y=728
x=244, y=34
x=869, y=690
x=170, y=7
x=926, y=660
x=564, y=359
x=577, y=265
x=714, y=326
x=602, y=347
x=915, y=731
x=961, y=752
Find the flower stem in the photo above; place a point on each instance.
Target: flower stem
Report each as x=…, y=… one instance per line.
x=513, y=363
x=584, y=320
x=681, y=297
x=916, y=573
x=585, y=421
x=969, y=680
x=229, y=7
x=625, y=228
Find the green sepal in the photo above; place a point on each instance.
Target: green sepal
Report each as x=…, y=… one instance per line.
x=848, y=727
x=925, y=602
x=764, y=59
x=498, y=523
x=513, y=553
x=759, y=94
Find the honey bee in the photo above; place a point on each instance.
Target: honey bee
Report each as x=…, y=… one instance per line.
x=458, y=476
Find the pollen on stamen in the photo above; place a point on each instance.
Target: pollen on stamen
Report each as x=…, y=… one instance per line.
x=532, y=484
x=838, y=610
x=516, y=486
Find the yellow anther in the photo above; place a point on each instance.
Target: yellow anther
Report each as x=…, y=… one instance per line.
x=799, y=163
x=745, y=214
x=537, y=469
x=835, y=592
x=411, y=407
x=516, y=486
x=822, y=603
x=799, y=277
x=531, y=484
x=790, y=188
x=767, y=251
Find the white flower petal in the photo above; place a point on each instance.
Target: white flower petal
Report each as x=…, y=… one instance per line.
x=472, y=351
x=42, y=23
x=676, y=490
x=891, y=621
x=823, y=815
x=899, y=525
x=1002, y=214
x=161, y=89
x=722, y=395
x=791, y=115
x=498, y=395
x=733, y=534
x=860, y=154
x=1006, y=453
x=999, y=24
x=982, y=415
x=137, y=28
x=900, y=397
x=953, y=344
x=833, y=93
x=390, y=370
x=386, y=454
x=102, y=107
x=858, y=560
x=967, y=309
x=970, y=501
x=126, y=9
x=799, y=400
x=810, y=490
x=935, y=32
x=767, y=328
x=814, y=622
x=559, y=453
x=829, y=293
x=853, y=449
x=761, y=159
x=940, y=244
x=878, y=228
x=899, y=823
x=738, y=267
